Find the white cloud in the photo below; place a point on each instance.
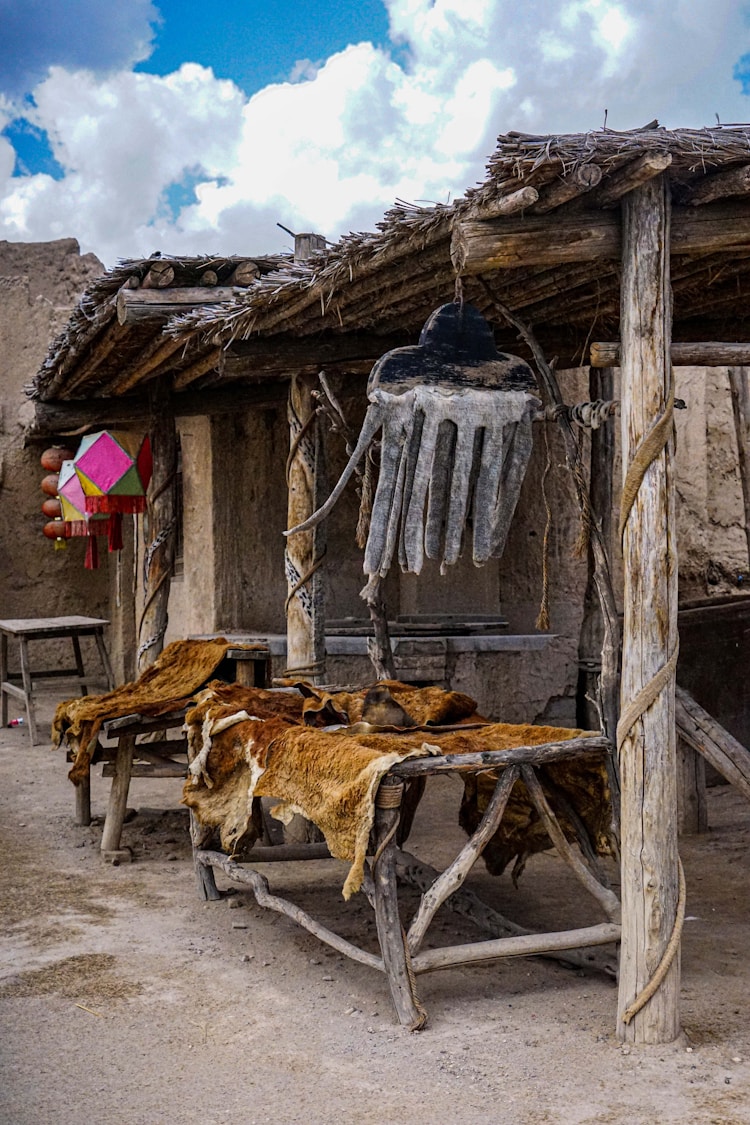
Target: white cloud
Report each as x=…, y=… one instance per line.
x=333, y=147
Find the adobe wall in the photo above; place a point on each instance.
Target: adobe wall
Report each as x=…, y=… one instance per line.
x=39, y=285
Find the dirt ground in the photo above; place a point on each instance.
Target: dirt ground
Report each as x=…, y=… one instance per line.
x=124, y=997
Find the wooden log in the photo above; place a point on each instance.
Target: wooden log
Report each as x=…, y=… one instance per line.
x=606, y=898
x=244, y=274
x=455, y=874
x=491, y=759
x=112, y=339
x=396, y=958
x=195, y=371
x=712, y=741
x=286, y=853
x=159, y=352
x=162, y=524
x=259, y=886
x=118, y=797
x=739, y=386
x=379, y=648
x=629, y=177
x=201, y=836
x=721, y=185
x=253, y=359
x=579, y=182
x=712, y=353
x=159, y=276
x=509, y=204
x=692, y=811
x=100, y=319
x=83, y=800
x=156, y=306
x=468, y=905
x=305, y=606
x=141, y=769
x=647, y=744
x=587, y=236
x=524, y=946
x=131, y=413
x=209, y=278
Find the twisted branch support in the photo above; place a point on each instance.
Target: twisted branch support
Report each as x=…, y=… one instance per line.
x=609, y=679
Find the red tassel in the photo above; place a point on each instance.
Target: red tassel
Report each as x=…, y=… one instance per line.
x=115, y=531
x=92, y=554
x=129, y=505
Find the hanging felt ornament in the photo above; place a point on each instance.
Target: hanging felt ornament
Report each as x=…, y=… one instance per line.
x=76, y=522
x=114, y=470
x=455, y=416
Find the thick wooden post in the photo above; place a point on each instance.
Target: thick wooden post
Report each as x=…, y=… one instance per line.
x=646, y=732
x=305, y=607
x=162, y=527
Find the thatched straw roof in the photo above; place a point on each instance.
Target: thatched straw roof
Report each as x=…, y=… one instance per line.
x=383, y=284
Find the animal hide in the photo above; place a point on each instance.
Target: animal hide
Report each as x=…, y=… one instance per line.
x=240, y=752
x=426, y=706
x=328, y=777
x=167, y=685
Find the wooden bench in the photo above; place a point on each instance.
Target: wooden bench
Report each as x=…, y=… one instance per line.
x=28, y=629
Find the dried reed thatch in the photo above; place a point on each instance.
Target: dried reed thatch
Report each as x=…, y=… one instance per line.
x=388, y=280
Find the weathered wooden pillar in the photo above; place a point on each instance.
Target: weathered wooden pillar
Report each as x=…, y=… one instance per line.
x=646, y=732
x=305, y=606
x=158, y=562
x=739, y=385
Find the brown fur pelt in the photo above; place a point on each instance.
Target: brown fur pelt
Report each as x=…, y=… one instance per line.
x=167, y=685
x=244, y=744
x=580, y=784
x=424, y=706
x=328, y=777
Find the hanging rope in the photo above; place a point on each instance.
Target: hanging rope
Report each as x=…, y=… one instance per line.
x=650, y=448
x=662, y=968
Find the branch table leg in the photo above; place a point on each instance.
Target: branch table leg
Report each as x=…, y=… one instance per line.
x=391, y=936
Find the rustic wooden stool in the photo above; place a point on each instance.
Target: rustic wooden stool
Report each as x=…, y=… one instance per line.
x=44, y=629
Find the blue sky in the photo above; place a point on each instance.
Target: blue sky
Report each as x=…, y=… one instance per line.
x=257, y=42
x=192, y=127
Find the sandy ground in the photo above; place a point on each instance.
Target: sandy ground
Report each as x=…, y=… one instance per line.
x=124, y=997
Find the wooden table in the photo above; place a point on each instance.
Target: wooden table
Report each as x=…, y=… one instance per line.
x=27, y=629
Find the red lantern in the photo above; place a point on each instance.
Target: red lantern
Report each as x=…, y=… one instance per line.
x=52, y=508
x=49, y=484
x=53, y=458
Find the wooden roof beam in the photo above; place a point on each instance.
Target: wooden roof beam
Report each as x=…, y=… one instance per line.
x=79, y=416
x=580, y=181
x=719, y=186
x=245, y=359
x=508, y=204
x=492, y=244
x=707, y=354
x=156, y=306
x=629, y=177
